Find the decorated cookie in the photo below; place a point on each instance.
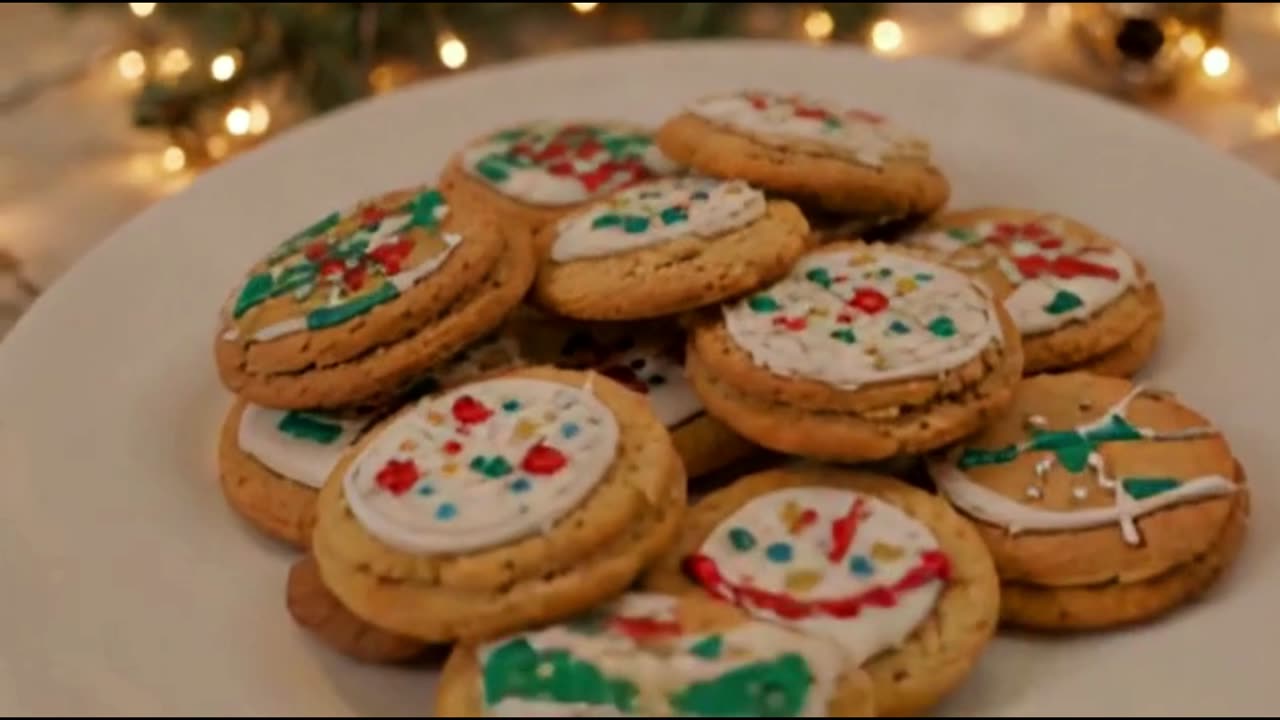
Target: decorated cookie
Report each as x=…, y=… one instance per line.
x=350, y=310
x=838, y=158
x=499, y=504
x=653, y=655
x=274, y=462
x=666, y=246
x=897, y=581
x=862, y=352
x=1079, y=299
x=531, y=175
x=1103, y=502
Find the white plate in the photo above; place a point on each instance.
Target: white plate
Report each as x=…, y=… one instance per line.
x=127, y=586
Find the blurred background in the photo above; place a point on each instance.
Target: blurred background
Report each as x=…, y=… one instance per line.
x=105, y=108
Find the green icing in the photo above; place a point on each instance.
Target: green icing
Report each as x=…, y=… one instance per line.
x=517, y=670
x=1063, y=302
x=975, y=457
x=708, y=648
x=773, y=688
x=309, y=427
x=964, y=235
x=510, y=136
x=1115, y=428
x=1142, y=487
x=295, y=243
x=255, y=291
x=338, y=314
x=1071, y=447
x=819, y=276
x=762, y=303
x=422, y=210
x=673, y=215
x=635, y=224
x=844, y=335
x=605, y=221
x=492, y=170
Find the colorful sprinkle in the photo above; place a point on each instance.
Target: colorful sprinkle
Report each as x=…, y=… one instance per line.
x=778, y=552
x=519, y=486
x=819, y=276
x=762, y=304
x=542, y=459
x=635, y=224
x=511, y=406
x=426, y=489
x=884, y=552
x=397, y=476
x=435, y=418
x=741, y=539
x=844, y=335
x=897, y=327
x=467, y=410
x=526, y=428
x=794, y=324
x=942, y=326
x=452, y=447
x=569, y=430
x=923, y=277
x=449, y=469
x=673, y=215
x=1063, y=302
x=446, y=511
x=491, y=467
x=408, y=446
x=885, y=272
x=802, y=580
x=859, y=565
x=905, y=285
x=869, y=300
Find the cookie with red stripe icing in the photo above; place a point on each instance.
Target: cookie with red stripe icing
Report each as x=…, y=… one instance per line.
x=1080, y=300
x=900, y=583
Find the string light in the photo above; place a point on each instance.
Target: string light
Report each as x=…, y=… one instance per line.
x=142, y=9
x=993, y=19
x=259, y=117
x=217, y=146
x=1192, y=44
x=238, y=120
x=1059, y=15
x=1215, y=62
x=819, y=25
x=223, y=67
x=453, y=52
x=584, y=8
x=886, y=36
x=131, y=64
x=174, y=62
x=173, y=159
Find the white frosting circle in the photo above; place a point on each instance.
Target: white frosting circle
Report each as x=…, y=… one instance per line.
x=303, y=447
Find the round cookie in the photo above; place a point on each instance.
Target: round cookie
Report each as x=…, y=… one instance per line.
x=653, y=655
x=863, y=352
x=499, y=505
x=1102, y=503
x=351, y=310
x=1080, y=301
x=531, y=175
x=840, y=159
x=890, y=574
x=666, y=246
x=272, y=463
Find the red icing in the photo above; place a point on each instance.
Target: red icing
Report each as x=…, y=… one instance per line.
x=467, y=410
x=453, y=447
x=869, y=300
x=560, y=168
x=316, y=251
x=843, y=531
x=640, y=628
x=354, y=278
x=1064, y=266
x=391, y=255
x=397, y=476
x=372, y=215
x=757, y=102
x=330, y=268
x=811, y=113
x=542, y=459
x=794, y=324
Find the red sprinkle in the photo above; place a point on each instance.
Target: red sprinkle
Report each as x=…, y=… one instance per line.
x=794, y=324
x=397, y=476
x=810, y=112
x=468, y=411
x=354, y=278
x=869, y=300
x=843, y=531
x=453, y=447
x=372, y=215
x=645, y=628
x=316, y=250
x=331, y=267
x=392, y=255
x=844, y=318
x=543, y=459
x=560, y=168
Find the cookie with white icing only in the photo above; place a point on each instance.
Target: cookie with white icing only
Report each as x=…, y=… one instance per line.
x=531, y=175
x=354, y=308
x=1080, y=300
x=838, y=158
x=1103, y=503
x=898, y=581
x=272, y=463
x=666, y=246
x=862, y=352
x=653, y=655
x=499, y=505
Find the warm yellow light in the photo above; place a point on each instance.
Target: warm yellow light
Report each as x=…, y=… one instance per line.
x=819, y=25
x=584, y=8
x=259, y=117
x=1192, y=44
x=142, y=9
x=131, y=64
x=173, y=159
x=175, y=61
x=238, y=121
x=886, y=36
x=223, y=67
x=1059, y=15
x=993, y=19
x=1215, y=62
x=453, y=52
x=1275, y=14
x=217, y=146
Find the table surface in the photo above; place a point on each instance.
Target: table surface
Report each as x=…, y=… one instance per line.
x=74, y=169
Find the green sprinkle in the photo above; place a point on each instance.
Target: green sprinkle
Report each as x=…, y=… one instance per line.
x=942, y=326
x=1063, y=301
x=741, y=539
x=844, y=335
x=762, y=304
x=897, y=327
x=819, y=276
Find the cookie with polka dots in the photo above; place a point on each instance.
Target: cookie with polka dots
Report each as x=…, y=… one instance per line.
x=350, y=310
x=818, y=151
x=862, y=352
x=890, y=574
x=666, y=246
x=653, y=655
x=1103, y=502
x=1080, y=300
x=499, y=505
x=528, y=176
x=272, y=462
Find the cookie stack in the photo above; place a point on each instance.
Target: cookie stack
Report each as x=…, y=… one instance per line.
x=483, y=409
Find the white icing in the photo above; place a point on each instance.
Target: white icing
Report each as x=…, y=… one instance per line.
x=711, y=208
x=881, y=526
x=301, y=459
x=881, y=350
x=772, y=119
x=1031, y=296
x=452, y=506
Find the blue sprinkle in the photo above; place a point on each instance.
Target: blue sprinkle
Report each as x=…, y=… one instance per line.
x=778, y=552
x=446, y=511
x=861, y=566
x=426, y=490
x=924, y=277
x=569, y=429
x=519, y=486
x=511, y=405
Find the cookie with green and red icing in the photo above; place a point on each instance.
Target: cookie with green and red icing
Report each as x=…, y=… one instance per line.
x=499, y=505
x=1103, y=502
x=653, y=655
x=821, y=152
x=355, y=307
x=1079, y=299
x=862, y=352
x=530, y=175
x=666, y=246
x=899, y=582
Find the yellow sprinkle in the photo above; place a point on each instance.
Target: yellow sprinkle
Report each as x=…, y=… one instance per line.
x=818, y=312
x=435, y=418
x=885, y=552
x=906, y=285
x=408, y=446
x=525, y=429
x=450, y=469
x=861, y=259
x=790, y=513
x=802, y=580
